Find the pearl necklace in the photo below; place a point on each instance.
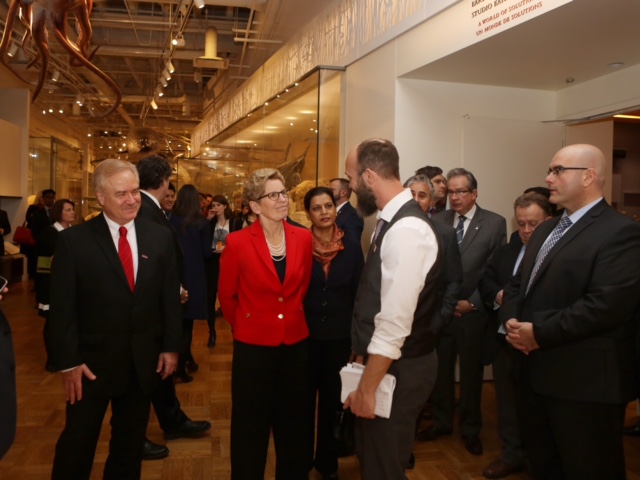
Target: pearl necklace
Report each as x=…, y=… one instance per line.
x=278, y=252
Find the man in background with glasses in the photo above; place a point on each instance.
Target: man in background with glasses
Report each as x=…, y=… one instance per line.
x=479, y=233
x=572, y=313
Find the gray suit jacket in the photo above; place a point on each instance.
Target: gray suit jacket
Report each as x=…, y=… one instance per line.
x=485, y=233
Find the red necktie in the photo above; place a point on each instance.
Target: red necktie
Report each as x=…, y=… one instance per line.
x=124, y=251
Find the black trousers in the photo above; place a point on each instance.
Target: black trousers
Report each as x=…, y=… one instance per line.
x=569, y=439
x=76, y=446
x=167, y=406
x=326, y=358
x=269, y=391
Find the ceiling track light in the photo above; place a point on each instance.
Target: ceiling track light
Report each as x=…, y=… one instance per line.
x=199, y=3
x=170, y=66
x=13, y=49
x=197, y=76
x=80, y=99
x=154, y=105
x=178, y=41
x=166, y=74
x=159, y=91
x=56, y=75
x=163, y=81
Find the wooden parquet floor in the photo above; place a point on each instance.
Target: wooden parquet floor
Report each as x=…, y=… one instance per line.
x=41, y=418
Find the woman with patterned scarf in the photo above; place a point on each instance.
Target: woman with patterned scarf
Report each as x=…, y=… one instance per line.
x=337, y=266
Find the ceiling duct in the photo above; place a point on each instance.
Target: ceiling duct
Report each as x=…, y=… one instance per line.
x=210, y=60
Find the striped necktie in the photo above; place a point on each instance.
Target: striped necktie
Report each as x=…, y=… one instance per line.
x=460, y=228
x=556, y=234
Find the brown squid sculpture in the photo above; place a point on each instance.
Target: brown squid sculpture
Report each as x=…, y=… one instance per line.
x=40, y=16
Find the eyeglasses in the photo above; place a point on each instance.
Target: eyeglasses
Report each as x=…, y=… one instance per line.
x=459, y=193
x=273, y=196
x=559, y=169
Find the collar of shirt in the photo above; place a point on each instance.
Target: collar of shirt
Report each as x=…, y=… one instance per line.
x=339, y=207
x=58, y=226
x=155, y=200
x=392, y=207
x=469, y=216
x=578, y=214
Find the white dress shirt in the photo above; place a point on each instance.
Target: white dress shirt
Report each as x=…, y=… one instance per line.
x=409, y=250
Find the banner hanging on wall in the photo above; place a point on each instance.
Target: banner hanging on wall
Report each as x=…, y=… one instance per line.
x=489, y=17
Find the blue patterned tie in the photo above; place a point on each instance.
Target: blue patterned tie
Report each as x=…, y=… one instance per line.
x=556, y=234
x=460, y=229
x=376, y=232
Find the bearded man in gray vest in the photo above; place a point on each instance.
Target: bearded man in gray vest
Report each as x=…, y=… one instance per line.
x=396, y=300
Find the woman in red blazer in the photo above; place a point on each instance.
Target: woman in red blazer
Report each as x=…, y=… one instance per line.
x=264, y=276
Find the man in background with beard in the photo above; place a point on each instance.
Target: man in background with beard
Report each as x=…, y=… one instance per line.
x=396, y=300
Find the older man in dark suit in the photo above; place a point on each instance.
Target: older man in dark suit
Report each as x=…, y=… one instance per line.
x=479, y=233
x=154, y=172
x=531, y=209
x=570, y=311
x=348, y=219
x=114, y=325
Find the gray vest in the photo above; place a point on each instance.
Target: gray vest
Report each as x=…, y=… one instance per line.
x=421, y=341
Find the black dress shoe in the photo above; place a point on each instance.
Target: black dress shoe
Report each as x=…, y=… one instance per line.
x=191, y=366
x=154, y=451
x=212, y=340
x=182, y=377
x=411, y=464
x=431, y=433
x=473, y=444
x=188, y=429
x=633, y=431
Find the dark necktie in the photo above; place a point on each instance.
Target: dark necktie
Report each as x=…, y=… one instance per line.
x=376, y=232
x=556, y=234
x=124, y=252
x=460, y=229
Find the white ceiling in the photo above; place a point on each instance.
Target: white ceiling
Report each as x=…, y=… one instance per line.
x=577, y=40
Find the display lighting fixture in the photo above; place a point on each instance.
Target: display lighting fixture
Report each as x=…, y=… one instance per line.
x=166, y=74
x=199, y=3
x=159, y=91
x=80, y=99
x=50, y=109
x=170, y=66
x=56, y=76
x=13, y=49
x=61, y=109
x=197, y=76
x=154, y=105
x=163, y=81
x=179, y=40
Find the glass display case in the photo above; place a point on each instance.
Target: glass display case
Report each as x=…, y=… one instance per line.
x=297, y=131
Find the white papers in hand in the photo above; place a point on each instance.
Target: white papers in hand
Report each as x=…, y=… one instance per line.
x=350, y=376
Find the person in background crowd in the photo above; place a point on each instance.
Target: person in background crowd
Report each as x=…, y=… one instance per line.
x=193, y=232
x=348, y=219
x=42, y=217
x=114, y=325
x=37, y=219
x=63, y=215
x=8, y=399
x=531, y=209
x=439, y=197
x=571, y=314
x=168, y=200
x=5, y=225
x=222, y=224
x=264, y=274
x=395, y=302
x=479, y=233
x=328, y=308
x=248, y=217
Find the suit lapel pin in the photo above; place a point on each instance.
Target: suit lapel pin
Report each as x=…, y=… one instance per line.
x=144, y=256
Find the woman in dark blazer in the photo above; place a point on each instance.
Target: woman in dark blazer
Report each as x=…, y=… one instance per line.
x=193, y=232
x=328, y=308
x=222, y=223
x=63, y=215
x=264, y=274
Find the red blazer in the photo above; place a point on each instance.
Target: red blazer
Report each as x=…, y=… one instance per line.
x=261, y=309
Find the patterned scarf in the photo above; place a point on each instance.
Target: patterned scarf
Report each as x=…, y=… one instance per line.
x=324, y=252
